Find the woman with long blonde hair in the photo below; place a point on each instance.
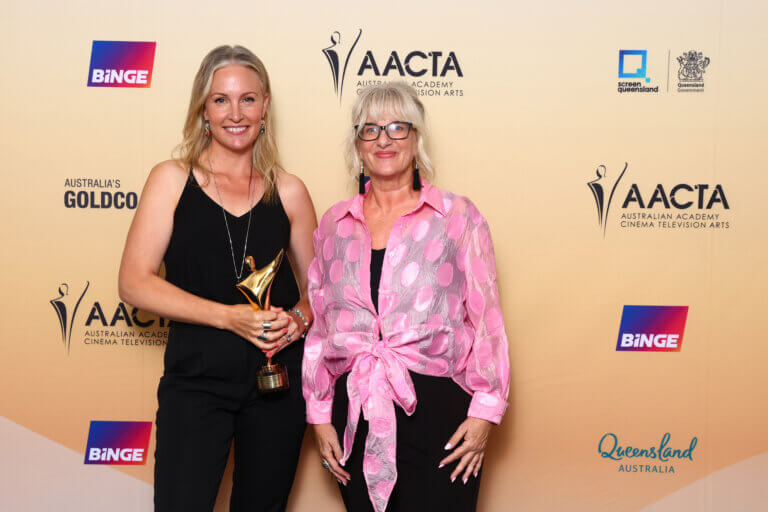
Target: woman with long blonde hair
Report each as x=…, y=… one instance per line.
x=224, y=198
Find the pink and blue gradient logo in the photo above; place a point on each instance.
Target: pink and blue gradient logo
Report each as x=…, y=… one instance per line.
x=121, y=64
x=633, y=64
x=118, y=442
x=652, y=328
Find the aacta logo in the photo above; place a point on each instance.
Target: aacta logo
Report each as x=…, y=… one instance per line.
x=680, y=197
x=652, y=328
x=121, y=64
x=338, y=55
x=415, y=64
x=118, y=442
x=66, y=305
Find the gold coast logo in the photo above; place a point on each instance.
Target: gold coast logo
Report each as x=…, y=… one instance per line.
x=653, y=458
x=431, y=72
x=105, y=325
x=671, y=207
x=98, y=193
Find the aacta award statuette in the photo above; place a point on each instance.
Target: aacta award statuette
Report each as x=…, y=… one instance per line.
x=256, y=288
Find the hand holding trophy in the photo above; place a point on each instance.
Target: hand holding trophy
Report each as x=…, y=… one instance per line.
x=256, y=288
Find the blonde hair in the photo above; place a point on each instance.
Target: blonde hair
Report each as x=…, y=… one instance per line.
x=264, y=155
x=390, y=98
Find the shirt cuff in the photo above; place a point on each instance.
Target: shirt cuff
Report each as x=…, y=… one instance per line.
x=319, y=411
x=487, y=406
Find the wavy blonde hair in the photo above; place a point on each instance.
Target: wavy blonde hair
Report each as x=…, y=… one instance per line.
x=264, y=156
x=390, y=98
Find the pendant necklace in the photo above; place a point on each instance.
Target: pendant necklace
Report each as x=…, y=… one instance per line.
x=238, y=275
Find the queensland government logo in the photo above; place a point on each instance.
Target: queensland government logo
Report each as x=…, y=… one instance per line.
x=104, y=325
x=690, y=75
x=647, y=457
x=118, y=442
x=121, y=64
x=671, y=207
x=652, y=328
x=430, y=72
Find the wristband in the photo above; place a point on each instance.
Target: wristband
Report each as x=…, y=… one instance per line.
x=301, y=317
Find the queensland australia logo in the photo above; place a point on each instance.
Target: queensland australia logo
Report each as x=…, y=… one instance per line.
x=432, y=72
x=633, y=72
x=98, y=194
x=659, y=206
x=118, y=442
x=664, y=457
x=652, y=328
x=121, y=64
x=101, y=323
x=690, y=74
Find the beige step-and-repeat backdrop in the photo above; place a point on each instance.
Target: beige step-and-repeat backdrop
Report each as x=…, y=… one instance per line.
x=617, y=150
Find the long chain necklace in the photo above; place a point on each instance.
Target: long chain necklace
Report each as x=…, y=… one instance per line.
x=238, y=275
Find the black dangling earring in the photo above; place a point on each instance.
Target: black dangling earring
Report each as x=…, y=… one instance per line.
x=262, y=127
x=416, y=178
x=361, y=180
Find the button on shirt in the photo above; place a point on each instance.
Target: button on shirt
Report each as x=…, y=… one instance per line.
x=439, y=315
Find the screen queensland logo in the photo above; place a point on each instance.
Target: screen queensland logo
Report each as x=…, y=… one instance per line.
x=99, y=324
x=434, y=71
x=652, y=328
x=633, y=72
x=118, y=442
x=663, y=456
x=121, y=64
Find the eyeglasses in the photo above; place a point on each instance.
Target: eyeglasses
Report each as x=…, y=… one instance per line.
x=396, y=131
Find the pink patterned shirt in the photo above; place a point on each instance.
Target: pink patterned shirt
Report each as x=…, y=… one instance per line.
x=439, y=315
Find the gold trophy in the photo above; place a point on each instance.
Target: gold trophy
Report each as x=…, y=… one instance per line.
x=256, y=288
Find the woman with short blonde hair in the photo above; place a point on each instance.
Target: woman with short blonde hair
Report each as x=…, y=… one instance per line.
x=407, y=358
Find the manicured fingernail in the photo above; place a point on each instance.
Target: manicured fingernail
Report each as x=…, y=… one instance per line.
x=465, y=481
x=453, y=479
x=475, y=474
x=440, y=466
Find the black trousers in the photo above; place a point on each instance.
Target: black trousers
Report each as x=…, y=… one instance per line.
x=197, y=420
x=421, y=486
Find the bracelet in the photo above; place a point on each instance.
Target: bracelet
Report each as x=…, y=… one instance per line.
x=301, y=316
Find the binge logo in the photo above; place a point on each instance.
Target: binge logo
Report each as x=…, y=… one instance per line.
x=118, y=442
x=652, y=328
x=630, y=67
x=121, y=64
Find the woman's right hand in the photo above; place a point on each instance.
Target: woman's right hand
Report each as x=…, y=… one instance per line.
x=244, y=321
x=330, y=450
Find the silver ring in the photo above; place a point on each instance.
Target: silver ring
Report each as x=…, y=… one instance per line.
x=325, y=464
x=266, y=326
x=262, y=337
x=288, y=337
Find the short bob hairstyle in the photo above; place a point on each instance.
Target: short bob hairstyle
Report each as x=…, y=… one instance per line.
x=264, y=155
x=396, y=99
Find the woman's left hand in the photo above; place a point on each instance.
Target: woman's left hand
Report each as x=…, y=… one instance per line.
x=470, y=453
x=293, y=332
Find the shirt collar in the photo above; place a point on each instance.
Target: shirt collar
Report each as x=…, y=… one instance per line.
x=429, y=195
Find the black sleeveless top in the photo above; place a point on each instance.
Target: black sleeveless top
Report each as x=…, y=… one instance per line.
x=199, y=260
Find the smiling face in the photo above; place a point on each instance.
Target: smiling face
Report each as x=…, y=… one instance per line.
x=385, y=157
x=235, y=107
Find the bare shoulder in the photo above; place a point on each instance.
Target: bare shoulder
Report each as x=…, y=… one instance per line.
x=294, y=196
x=291, y=190
x=166, y=179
